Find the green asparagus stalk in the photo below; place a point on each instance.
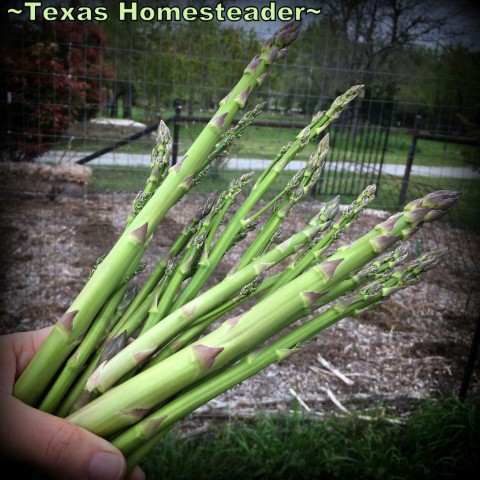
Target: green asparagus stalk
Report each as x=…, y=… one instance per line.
x=140, y=305
x=238, y=222
x=314, y=254
x=136, y=312
x=234, y=133
x=200, y=325
x=92, y=340
x=239, y=335
x=77, y=397
x=159, y=335
x=70, y=329
x=112, y=271
x=294, y=191
x=182, y=269
x=139, y=439
x=371, y=273
x=200, y=245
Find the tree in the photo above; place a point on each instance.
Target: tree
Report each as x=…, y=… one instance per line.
x=374, y=36
x=169, y=60
x=54, y=76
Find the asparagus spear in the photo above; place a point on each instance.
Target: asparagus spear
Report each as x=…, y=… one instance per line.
x=295, y=190
x=318, y=124
x=70, y=329
x=136, y=441
x=316, y=250
x=133, y=399
x=112, y=271
x=105, y=321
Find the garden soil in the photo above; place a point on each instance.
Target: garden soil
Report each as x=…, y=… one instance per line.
x=413, y=347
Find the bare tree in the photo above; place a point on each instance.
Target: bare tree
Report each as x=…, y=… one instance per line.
x=379, y=33
x=382, y=27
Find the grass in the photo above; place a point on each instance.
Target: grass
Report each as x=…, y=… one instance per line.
x=132, y=179
x=265, y=142
x=440, y=440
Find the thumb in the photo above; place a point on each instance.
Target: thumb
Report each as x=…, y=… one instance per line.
x=54, y=445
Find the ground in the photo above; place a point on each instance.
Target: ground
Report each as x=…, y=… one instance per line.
x=414, y=346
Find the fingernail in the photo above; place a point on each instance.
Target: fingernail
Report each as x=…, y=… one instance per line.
x=105, y=466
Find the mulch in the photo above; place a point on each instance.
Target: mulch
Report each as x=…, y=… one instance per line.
x=413, y=347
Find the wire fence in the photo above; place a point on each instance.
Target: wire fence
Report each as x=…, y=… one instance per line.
x=85, y=87
x=74, y=90
x=93, y=94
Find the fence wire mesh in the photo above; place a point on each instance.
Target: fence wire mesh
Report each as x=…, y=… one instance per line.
x=70, y=90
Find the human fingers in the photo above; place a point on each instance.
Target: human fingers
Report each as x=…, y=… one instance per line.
x=137, y=474
x=55, y=446
x=16, y=351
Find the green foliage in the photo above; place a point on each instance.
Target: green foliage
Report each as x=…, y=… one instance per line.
x=173, y=66
x=439, y=441
x=108, y=179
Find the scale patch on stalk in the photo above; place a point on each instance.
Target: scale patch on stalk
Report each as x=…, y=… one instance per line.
x=417, y=216
x=134, y=414
x=284, y=353
x=312, y=296
x=151, y=425
x=241, y=98
x=389, y=224
x=66, y=321
x=383, y=242
x=140, y=233
x=409, y=232
x=188, y=310
x=218, y=122
x=329, y=267
x=232, y=322
x=206, y=355
x=143, y=354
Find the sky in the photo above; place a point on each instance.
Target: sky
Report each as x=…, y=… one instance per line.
x=467, y=19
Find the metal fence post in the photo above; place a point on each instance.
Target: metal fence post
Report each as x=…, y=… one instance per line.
x=176, y=130
x=469, y=367
x=408, y=167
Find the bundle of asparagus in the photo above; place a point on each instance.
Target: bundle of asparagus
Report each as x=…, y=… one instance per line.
x=126, y=363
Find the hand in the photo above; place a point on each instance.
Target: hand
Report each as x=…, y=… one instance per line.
x=38, y=440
